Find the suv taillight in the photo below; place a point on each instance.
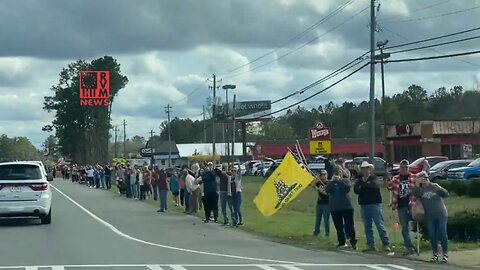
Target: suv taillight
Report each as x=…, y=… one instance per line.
x=39, y=187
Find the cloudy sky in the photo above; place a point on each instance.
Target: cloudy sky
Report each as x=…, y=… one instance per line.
x=168, y=49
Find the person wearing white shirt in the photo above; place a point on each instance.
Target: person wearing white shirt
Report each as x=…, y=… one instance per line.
x=90, y=173
x=235, y=188
x=193, y=188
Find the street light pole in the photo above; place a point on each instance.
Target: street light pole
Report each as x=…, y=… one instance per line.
x=167, y=110
x=227, y=142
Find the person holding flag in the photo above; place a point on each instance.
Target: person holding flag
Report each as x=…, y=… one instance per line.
x=322, y=208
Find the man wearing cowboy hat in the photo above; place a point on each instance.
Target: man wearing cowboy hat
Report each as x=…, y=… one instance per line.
x=367, y=187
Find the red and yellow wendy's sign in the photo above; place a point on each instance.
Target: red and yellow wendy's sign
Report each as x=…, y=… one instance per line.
x=320, y=139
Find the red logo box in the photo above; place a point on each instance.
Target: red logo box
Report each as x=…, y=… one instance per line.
x=94, y=88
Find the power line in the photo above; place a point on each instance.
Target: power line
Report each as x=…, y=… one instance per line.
x=423, y=8
x=327, y=77
x=300, y=35
x=430, y=39
x=434, y=50
x=434, y=16
x=436, y=45
x=300, y=47
x=316, y=94
x=432, y=57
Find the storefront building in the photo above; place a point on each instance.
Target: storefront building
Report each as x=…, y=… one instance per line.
x=454, y=139
x=346, y=148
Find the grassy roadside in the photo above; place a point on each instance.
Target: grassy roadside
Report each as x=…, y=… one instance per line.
x=294, y=223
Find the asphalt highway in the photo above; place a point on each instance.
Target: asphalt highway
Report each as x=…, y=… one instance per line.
x=96, y=229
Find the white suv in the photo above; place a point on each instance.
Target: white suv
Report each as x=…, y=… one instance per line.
x=25, y=191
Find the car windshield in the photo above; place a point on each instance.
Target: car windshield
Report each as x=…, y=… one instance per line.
x=439, y=166
x=19, y=172
x=475, y=163
x=417, y=162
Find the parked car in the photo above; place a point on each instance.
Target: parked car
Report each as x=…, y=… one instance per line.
x=417, y=166
x=439, y=171
x=472, y=170
x=379, y=163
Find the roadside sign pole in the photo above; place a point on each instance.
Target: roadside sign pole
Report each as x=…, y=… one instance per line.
x=233, y=130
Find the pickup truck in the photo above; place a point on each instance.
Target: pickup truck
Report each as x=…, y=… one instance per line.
x=465, y=173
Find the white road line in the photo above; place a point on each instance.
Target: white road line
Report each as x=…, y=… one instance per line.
x=265, y=267
x=57, y=267
x=376, y=267
x=291, y=267
x=399, y=267
x=117, y=231
x=177, y=267
x=154, y=267
x=183, y=266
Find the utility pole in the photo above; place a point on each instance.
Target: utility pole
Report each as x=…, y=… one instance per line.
x=381, y=45
x=204, y=126
x=124, y=138
x=373, y=26
x=214, y=113
x=152, y=158
x=233, y=129
x=226, y=142
x=167, y=110
x=115, y=130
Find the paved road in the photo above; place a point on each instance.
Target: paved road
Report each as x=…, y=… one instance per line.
x=96, y=229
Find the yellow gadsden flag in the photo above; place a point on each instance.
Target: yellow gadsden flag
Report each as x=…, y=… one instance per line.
x=284, y=185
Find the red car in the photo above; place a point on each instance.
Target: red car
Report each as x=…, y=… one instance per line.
x=417, y=165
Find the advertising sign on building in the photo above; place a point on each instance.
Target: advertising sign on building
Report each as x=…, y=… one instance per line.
x=320, y=140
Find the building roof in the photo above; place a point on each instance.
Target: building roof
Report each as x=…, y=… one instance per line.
x=162, y=146
x=189, y=149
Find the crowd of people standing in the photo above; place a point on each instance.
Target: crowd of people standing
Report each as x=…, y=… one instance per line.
x=195, y=188
x=406, y=191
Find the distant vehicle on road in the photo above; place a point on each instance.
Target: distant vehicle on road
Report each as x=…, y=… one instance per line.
x=440, y=170
x=472, y=170
x=25, y=190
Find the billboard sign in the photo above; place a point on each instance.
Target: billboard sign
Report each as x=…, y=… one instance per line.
x=251, y=110
x=320, y=140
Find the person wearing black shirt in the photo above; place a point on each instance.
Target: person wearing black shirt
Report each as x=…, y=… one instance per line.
x=210, y=201
x=322, y=208
x=108, y=181
x=369, y=198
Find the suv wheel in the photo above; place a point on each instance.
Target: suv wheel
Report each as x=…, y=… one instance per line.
x=47, y=219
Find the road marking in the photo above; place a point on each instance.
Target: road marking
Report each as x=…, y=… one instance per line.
x=265, y=267
x=154, y=267
x=291, y=267
x=57, y=267
x=399, y=267
x=117, y=231
x=376, y=267
x=183, y=266
x=177, y=267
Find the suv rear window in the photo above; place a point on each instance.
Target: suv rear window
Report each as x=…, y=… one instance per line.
x=19, y=172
